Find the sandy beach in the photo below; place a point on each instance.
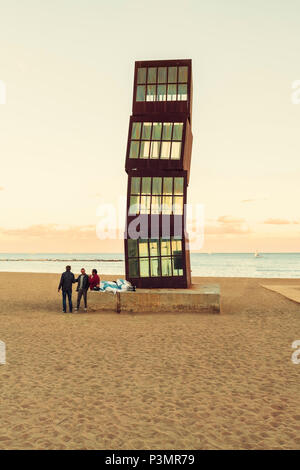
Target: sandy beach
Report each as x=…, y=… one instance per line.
x=149, y=381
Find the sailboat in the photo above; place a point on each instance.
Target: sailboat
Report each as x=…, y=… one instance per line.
x=256, y=254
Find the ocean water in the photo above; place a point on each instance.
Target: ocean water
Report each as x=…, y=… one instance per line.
x=268, y=265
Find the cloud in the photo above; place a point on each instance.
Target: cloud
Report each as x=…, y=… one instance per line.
x=254, y=199
x=228, y=225
x=281, y=222
x=1, y=188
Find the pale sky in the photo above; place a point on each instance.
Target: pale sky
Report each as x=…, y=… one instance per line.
x=68, y=69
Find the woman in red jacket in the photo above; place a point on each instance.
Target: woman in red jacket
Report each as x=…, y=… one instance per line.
x=94, y=280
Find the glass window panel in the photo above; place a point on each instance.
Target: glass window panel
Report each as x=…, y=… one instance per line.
x=176, y=151
x=136, y=130
x=165, y=150
x=133, y=267
x=167, y=205
x=155, y=267
x=165, y=247
x=167, y=131
x=154, y=248
x=161, y=92
x=134, y=149
x=134, y=205
x=156, y=205
x=177, y=131
x=151, y=93
x=156, y=131
x=166, y=267
x=156, y=185
x=178, y=185
x=183, y=74
x=135, y=184
x=162, y=75
x=146, y=185
x=145, y=148
x=143, y=247
x=176, y=247
x=182, y=92
x=141, y=78
x=168, y=185
x=144, y=267
x=141, y=93
x=172, y=93
x=146, y=134
x=152, y=75
x=172, y=74
x=145, y=204
x=132, y=248
x=178, y=205
x=155, y=149
x=177, y=266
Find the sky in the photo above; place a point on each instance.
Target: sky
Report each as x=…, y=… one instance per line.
x=68, y=66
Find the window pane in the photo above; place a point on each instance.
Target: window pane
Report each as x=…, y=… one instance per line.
x=156, y=131
x=141, y=78
x=144, y=267
x=136, y=130
x=156, y=185
x=176, y=247
x=183, y=74
x=133, y=268
x=161, y=92
x=165, y=247
x=176, y=151
x=144, y=150
x=167, y=131
x=140, y=93
x=146, y=185
x=162, y=75
x=166, y=267
x=143, y=248
x=172, y=74
x=151, y=93
x=153, y=244
x=145, y=204
x=182, y=92
x=155, y=149
x=168, y=185
x=152, y=75
x=156, y=205
x=172, y=93
x=135, y=185
x=178, y=205
x=167, y=205
x=177, y=131
x=134, y=149
x=132, y=248
x=155, y=267
x=178, y=185
x=165, y=150
x=146, y=134
x=134, y=205
x=177, y=266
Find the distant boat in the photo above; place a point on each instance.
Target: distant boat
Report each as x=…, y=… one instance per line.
x=256, y=254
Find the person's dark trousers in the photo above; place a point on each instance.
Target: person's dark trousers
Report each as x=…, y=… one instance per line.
x=66, y=293
x=82, y=292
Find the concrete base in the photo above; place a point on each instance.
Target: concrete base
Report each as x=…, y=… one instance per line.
x=197, y=299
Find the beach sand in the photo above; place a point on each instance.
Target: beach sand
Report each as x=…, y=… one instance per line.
x=150, y=381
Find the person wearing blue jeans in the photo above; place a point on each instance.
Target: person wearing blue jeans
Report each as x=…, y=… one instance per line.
x=66, y=281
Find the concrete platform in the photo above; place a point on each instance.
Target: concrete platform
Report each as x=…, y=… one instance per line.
x=197, y=299
x=291, y=292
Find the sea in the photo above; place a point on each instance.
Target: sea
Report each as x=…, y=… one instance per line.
x=264, y=265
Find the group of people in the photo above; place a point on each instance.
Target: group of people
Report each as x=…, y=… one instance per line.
x=84, y=283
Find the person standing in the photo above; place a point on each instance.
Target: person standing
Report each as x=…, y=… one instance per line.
x=66, y=281
x=82, y=288
x=94, y=280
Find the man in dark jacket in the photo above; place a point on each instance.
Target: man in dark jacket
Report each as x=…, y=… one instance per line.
x=82, y=288
x=66, y=281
